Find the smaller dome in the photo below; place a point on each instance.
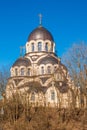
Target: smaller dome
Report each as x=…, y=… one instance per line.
x=48, y=60
x=22, y=62
x=40, y=33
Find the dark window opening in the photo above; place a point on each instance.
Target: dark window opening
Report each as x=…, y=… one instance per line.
x=52, y=95
x=16, y=72
x=39, y=46
x=42, y=70
x=22, y=71
x=32, y=47
x=49, y=69
x=33, y=96
x=28, y=72
x=46, y=46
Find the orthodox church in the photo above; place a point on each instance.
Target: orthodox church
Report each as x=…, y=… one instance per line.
x=39, y=76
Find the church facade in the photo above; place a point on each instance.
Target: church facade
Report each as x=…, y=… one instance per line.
x=39, y=76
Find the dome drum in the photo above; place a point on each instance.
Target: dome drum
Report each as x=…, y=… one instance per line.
x=40, y=39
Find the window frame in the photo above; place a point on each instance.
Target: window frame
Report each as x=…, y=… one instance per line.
x=49, y=69
x=32, y=47
x=39, y=46
x=42, y=70
x=16, y=71
x=46, y=46
x=28, y=72
x=22, y=71
x=32, y=98
x=52, y=95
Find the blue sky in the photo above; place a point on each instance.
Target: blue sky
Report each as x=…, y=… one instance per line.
x=65, y=19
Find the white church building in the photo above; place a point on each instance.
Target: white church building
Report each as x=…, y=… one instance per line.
x=39, y=75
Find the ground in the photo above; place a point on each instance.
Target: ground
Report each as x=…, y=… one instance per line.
x=43, y=118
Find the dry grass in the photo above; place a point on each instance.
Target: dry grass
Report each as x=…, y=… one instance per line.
x=43, y=118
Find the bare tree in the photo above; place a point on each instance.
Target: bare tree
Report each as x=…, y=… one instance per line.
x=4, y=74
x=76, y=61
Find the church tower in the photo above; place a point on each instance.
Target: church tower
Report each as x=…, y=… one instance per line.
x=39, y=74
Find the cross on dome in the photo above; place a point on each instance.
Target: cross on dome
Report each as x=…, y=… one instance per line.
x=40, y=19
x=22, y=50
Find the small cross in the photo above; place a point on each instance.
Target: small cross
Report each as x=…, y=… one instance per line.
x=40, y=18
x=22, y=50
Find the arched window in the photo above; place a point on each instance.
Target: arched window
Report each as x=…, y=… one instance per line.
x=32, y=47
x=49, y=69
x=42, y=70
x=27, y=48
x=39, y=46
x=51, y=47
x=16, y=72
x=22, y=71
x=46, y=46
x=55, y=68
x=33, y=96
x=28, y=72
x=52, y=95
